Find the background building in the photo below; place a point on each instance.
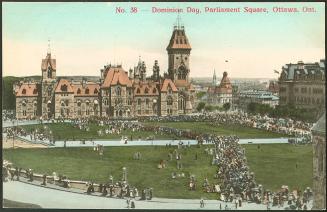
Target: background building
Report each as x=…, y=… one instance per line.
x=303, y=85
x=220, y=94
x=256, y=96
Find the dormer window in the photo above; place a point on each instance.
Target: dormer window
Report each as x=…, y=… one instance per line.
x=78, y=91
x=138, y=91
x=87, y=91
x=63, y=88
x=35, y=91
x=95, y=91
x=154, y=90
x=146, y=90
x=24, y=91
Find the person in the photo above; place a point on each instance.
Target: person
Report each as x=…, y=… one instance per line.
x=201, y=203
x=44, y=180
x=31, y=176
x=150, y=194
x=104, y=191
x=219, y=206
x=127, y=202
x=132, y=204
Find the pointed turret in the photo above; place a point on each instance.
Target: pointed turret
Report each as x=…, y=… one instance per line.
x=214, y=78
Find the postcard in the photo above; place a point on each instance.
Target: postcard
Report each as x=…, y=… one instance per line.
x=164, y=105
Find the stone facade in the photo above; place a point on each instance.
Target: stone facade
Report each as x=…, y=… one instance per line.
x=319, y=163
x=303, y=85
x=118, y=94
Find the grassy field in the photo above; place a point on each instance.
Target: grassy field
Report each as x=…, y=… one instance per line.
x=85, y=164
x=273, y=165
x=63, y=131
x=204, y=127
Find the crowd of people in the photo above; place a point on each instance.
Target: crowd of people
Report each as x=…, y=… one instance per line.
x=285, y=126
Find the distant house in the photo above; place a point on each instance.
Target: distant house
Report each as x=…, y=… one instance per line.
x=257, y=96
x=222, y=93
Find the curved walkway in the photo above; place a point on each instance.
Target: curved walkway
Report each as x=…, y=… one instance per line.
x=55, y=198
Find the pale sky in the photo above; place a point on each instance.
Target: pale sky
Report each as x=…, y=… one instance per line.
x=86, y=36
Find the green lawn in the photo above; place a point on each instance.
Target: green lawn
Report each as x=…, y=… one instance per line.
x=63, y=131
x=85, y=164
x=205, y=127
x=273, y=165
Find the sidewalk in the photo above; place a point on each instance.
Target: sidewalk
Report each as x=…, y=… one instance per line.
x=53, y=196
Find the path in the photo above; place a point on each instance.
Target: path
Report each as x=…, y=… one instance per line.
x=53, y=198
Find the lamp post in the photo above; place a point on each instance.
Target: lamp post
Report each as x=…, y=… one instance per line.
x=124, y=174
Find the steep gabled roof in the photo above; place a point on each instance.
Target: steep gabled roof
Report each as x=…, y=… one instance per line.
x=115, y=76
x=91, y=86
x=166, y=83
x=27, y=90
x=61, y=83
x=179, y=40
x=141, y=87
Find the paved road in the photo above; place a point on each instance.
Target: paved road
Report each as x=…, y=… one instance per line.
x=52, y=198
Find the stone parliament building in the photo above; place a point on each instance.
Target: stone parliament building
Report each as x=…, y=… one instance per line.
x=118, y=93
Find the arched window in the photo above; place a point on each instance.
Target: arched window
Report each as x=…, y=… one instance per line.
x=169, y=89
x=129, y=102
x=138, y=91
x=146, y=90
x=118, y=91
x=105, y=101
x=139, y=101
x=87, y=91
x=147, y=101
x=78, y=91
x=24, y=91
x=49, y=72
x=182, y=72
x=154, y=90
x=169, y=100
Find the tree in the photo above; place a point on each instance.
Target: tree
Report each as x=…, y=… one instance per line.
x=209, y=108
x=226, y=106
x=252, y=107
x=201, y=106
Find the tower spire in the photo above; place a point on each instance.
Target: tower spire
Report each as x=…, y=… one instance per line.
x=214, y=78
x=49, y=49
